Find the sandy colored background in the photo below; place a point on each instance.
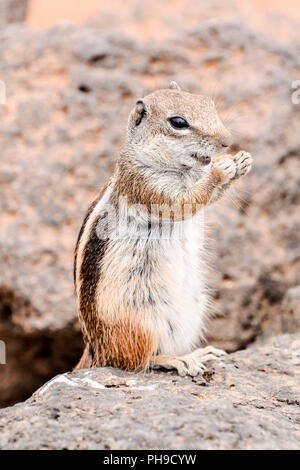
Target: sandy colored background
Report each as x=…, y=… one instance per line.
x=161, y=19
x=70, y=86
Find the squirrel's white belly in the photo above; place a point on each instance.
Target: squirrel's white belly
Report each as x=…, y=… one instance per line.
x=180, y=320
x=161, y=281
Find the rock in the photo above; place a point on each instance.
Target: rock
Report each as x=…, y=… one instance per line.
x=12, y=11
x=69, y=91
x=291, y=309
x=249, y=400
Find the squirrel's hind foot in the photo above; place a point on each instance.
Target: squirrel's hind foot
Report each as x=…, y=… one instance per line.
x=189, y=364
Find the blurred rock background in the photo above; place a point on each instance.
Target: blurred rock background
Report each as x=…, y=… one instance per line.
x=12, y=11
x=69, y=87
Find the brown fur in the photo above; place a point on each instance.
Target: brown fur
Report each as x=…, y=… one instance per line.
x=124, y=344
x=114, y=335
x=134, y=186
x=90, y=276
x=108, y=341
x=88, y=213
x=199, y=108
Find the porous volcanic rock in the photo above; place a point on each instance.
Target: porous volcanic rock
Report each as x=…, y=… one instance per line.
x=249, y=400
x=69, y=91
x=12, y=11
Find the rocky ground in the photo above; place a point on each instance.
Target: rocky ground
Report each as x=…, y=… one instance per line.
x=250, y=400
x=69, y=91
x=12, y=11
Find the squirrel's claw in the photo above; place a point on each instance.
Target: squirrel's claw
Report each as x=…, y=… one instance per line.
x=228, y=169
x=243, y=161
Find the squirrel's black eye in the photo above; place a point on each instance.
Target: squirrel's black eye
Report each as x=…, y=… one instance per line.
x=178, y=122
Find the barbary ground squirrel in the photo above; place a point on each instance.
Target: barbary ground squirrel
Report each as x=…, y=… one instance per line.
x=139, y=269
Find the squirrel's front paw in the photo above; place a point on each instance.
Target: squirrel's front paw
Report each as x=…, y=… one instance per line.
x=243, y=162
x=227, y=169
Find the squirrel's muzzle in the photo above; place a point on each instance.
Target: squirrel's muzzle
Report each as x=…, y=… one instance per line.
x=204, y=160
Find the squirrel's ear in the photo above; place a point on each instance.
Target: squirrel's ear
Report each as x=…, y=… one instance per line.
x=140, y=112
x=174, y=86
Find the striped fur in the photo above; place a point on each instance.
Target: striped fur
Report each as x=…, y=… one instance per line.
x=142, y=293
x=133, y=294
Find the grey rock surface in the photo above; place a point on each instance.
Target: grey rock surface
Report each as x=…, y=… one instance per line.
x=249, y=400
x=69, y=91
x=12, y=11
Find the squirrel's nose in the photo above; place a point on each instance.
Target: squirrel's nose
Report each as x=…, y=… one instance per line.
x=225, y=140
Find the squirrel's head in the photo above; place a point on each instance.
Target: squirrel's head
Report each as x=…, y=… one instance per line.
x=173, y=129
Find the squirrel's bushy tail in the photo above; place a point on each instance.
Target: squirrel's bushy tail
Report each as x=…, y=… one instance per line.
x=86, y=360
